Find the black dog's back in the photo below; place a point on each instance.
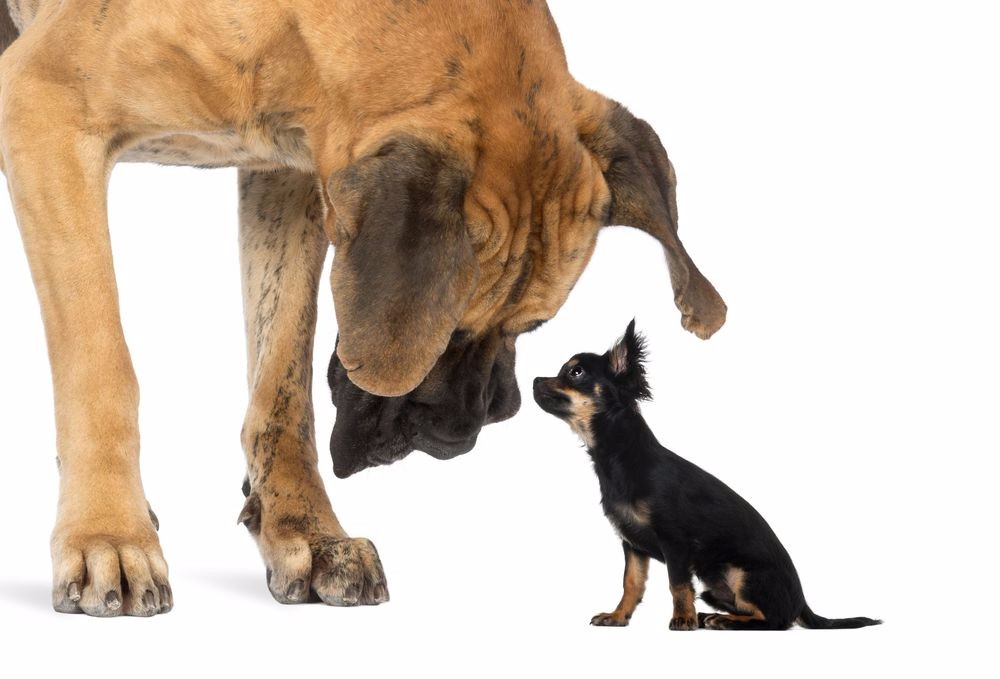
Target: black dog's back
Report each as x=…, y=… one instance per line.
x=693, y=517
x=669, y=509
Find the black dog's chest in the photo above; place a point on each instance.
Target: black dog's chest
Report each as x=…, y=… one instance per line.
x=632, y=520
x=630, y=501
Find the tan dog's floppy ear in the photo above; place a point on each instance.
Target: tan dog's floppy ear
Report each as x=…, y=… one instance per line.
x=404, y=269
x=642, y=184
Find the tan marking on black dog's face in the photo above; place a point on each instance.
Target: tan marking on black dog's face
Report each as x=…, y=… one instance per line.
x=570, y=405
x=573, y=396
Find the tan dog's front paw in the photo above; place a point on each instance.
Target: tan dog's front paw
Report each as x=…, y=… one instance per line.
x=109, y=574
x=348, y=572
x=305, y=564
x=336, y=571
x=684, y=624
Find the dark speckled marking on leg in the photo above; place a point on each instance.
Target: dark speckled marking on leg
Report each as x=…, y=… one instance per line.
x=283, y=246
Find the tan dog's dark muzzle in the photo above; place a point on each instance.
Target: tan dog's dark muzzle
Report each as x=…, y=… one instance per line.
x=471, y=385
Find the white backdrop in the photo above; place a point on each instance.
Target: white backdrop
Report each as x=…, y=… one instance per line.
x=838, y=170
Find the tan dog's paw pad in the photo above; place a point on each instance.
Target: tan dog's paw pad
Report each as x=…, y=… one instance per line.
x=609, y=620
x=107, y=576
x=337, y=571
x=684, y=624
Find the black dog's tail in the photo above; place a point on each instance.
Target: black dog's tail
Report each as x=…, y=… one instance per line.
x=810, y=620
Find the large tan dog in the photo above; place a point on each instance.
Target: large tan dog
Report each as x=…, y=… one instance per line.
x=443, y=149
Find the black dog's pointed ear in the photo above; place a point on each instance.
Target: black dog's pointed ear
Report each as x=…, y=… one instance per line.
x=642, y=183
x=404, y=269
x=627, y=359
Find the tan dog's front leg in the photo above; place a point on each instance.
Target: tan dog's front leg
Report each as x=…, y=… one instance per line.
x=105, y=550
x=306, y=551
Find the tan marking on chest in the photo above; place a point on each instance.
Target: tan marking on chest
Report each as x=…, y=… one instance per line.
x=635, y=514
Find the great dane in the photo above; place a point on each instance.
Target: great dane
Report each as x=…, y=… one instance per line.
x=441, y=146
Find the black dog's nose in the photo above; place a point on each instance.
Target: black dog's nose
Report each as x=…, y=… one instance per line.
x=538, y=386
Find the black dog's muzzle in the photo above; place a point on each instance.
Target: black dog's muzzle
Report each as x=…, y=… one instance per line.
x=550, y=399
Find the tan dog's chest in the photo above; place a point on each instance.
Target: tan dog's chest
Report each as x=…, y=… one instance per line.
x=281, y=148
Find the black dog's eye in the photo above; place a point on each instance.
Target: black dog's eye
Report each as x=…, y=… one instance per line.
x=576, y=372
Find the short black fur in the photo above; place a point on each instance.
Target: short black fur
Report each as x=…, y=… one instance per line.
x=669, y=509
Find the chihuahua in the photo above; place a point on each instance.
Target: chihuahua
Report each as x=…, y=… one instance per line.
x=667, y=508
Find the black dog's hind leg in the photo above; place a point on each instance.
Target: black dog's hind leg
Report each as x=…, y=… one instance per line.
x=633, y=586
x=737, y=622
x=725, y=605
x=730, y=593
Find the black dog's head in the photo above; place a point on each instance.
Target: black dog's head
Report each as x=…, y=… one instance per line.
x=589, y=385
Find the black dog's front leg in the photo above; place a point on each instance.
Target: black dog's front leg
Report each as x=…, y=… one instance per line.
x=633, y=587
x=679, y=571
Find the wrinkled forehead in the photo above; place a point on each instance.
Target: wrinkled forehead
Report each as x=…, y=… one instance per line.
x=532, y=213
x=526, y=277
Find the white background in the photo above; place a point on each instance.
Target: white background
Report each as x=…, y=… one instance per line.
x=838, y=166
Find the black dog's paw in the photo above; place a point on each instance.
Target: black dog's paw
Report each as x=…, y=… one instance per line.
x=716, y=621
x=684, y=624
x=609, y=620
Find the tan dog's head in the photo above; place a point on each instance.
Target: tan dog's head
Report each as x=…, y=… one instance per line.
x=455, y=235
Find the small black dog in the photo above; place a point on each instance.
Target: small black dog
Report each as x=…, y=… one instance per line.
x=667, y=508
